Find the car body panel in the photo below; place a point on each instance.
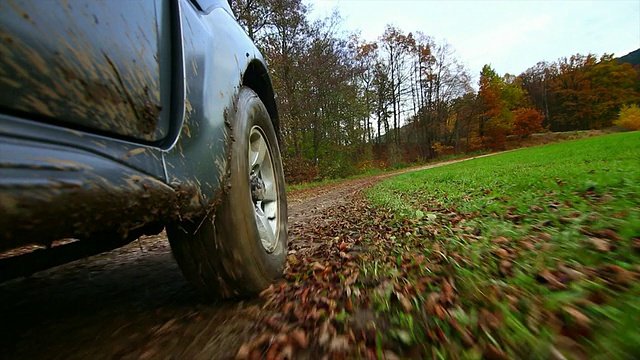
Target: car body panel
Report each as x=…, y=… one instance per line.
x=216, y=53
x=88, y=64
x=77, y=178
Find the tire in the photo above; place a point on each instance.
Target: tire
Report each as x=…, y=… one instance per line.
x=241, y=249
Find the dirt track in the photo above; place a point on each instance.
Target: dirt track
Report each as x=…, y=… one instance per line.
x=133, y=302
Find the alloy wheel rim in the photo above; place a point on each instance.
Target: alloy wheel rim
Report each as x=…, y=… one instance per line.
x=264, y=192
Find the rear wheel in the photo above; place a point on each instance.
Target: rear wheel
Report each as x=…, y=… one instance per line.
x=241, y=249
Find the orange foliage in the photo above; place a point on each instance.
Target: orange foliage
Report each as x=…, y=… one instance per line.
x=527, y=121
x=441, y=149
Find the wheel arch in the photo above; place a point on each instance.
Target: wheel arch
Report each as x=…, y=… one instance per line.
x=256, y=77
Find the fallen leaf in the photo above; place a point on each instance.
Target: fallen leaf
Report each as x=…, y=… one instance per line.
x=493, y=353
x=316, y=266
x=505, y=267
x=579, y=324
x=527, y=245
x=293, y=260
x=390, y=355
x=299, y=338
x=348, y=304
x=488, y=320
x=545, y=236
x=617, y=275
x=447, y=291
x=500, y=240
x=574, y=275
x=272, y=353
x=609, y=234
x=405, y=302
x=551, y=279
x=339, y=344
x=635, y=245
x=244, y=352
x=600, y=245
x=286, y=353
x=502, y=253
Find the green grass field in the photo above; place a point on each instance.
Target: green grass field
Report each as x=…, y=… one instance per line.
x=527, y=254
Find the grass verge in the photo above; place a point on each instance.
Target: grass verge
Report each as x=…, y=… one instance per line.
x=538, y=251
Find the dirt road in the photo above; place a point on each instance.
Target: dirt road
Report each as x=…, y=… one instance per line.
x=133, y=303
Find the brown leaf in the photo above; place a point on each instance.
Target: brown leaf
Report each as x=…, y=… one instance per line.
x=567, y=346
x=255, y=354
x=287, y=307
x=293, y=260
x=609, y=234
x=536, y=208
x=574, y=275
x=405, y=302
x=493, y=353
x=447, y=291
x=551, y=279
x=287, y=352
x=390, y=355
x=545, y=236
x=324, y=334
x=281, y=339
x=505, y=267
x=432, y=301
x=244, y=352
x=502, y=253
x=580, y=324
x=316, y=266
x=268, y=291
x=339, y=344
x=440, y=312
x=273, y=352
x=527, y=245
x=635, y=245
x=348, y=305
x=600, y=245
x=299, y=338
x=618, y=275
x=303, y=297
x=488, y=320
x=500, y=240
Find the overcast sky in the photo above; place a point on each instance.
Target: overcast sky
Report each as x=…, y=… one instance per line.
x=511, y=36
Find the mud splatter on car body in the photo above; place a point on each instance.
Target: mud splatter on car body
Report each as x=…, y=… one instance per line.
x=116, y=119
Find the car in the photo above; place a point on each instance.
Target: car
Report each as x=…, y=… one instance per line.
x=125, y=118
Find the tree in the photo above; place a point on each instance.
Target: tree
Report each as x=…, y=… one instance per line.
x=397, y=48
x=527, y=121
x=629, y=117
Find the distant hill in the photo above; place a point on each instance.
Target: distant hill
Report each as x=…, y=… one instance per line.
x=632, y=58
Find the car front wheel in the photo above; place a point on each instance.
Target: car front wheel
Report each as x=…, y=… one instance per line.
x=240, y=249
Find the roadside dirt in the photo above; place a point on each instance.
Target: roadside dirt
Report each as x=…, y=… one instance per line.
x=133, y=303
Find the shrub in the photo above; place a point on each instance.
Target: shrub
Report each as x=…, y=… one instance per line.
x=441, y=149
x=629, y=117
x=527, y=121
x=299, y=170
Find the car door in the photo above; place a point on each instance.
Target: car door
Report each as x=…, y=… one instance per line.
x=97, y=66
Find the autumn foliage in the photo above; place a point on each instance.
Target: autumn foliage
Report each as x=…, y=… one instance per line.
x=629, y=118
x=527, y=121
x=344, y=101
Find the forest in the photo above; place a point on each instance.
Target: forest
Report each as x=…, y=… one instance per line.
x=349, y=106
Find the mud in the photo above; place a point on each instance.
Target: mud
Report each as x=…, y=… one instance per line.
x=133, y=303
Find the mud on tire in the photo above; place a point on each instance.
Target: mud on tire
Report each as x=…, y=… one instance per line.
x=241, y=248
